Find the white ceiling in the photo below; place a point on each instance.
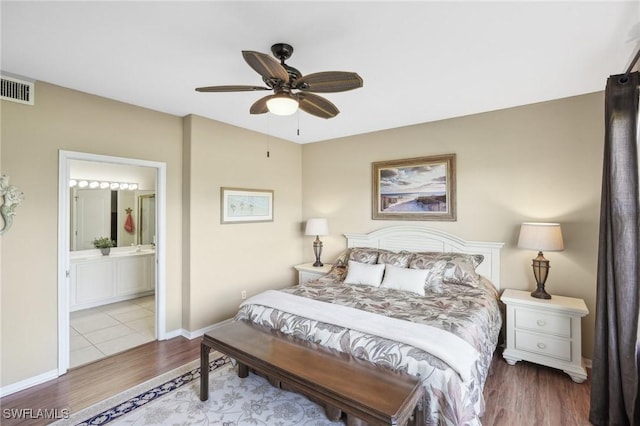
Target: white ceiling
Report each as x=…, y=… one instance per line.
x=420, y=61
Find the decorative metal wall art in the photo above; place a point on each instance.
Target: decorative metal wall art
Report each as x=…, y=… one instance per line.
x=11, y=198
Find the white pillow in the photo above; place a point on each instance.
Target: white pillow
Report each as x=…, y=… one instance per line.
x=405, y=279
x=363, y=273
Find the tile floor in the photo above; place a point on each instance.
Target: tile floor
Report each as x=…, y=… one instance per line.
x=109, y=329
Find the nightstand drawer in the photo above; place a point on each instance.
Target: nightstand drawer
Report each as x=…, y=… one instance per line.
x=544, y=345
x=547, y=323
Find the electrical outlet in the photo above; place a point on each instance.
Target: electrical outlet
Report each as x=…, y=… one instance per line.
x=243, y=294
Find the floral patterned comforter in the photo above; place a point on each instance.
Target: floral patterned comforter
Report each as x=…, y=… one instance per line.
x=470, y=313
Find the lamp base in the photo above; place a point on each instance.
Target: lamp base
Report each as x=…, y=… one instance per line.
x=539, y=293
x=317, y=250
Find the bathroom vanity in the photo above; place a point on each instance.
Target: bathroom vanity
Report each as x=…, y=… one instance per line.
x=126, y=273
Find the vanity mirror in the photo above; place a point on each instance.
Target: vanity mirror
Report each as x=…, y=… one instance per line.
x=125, y=216
x=111, y=200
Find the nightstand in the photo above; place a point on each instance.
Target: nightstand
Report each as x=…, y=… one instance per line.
x=545, y=331
x=308, y=272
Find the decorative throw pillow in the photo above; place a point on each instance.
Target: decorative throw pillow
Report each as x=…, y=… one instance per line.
x=343, y=258
x=337, y=273
x=364, y=273
x=399, y=259
x=364, y=255
x=435, y=268
x=459, y=268
x=474, y=259
x=412, y=280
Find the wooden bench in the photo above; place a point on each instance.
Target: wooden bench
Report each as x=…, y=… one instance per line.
x=365, y=392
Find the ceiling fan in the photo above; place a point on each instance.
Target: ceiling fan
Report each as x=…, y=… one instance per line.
x=291, y=89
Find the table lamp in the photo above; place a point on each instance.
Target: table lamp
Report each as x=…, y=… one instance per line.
x=317, y=226
x=540, y=236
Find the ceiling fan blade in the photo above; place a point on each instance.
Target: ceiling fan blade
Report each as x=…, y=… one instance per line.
x=329, y=81
x=230, y=88
x=260, y=106
x=316, y=105
x=266, y=66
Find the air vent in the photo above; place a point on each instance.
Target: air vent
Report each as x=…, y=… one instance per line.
x=17, y=90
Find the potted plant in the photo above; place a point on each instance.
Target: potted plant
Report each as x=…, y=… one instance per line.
x=104, y=244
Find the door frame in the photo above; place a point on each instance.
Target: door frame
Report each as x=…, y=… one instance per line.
x=64, y=217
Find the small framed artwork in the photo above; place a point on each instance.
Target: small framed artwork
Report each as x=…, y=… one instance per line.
x=421, y=188
x=240, y=205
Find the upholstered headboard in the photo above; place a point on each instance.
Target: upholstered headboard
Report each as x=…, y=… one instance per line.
x=419, y=238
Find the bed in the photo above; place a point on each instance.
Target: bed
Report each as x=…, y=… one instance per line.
x=430, y=310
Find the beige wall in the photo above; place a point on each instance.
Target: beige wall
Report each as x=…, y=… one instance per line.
x=224, y=259
x=540, y=162
x=31, y=138
x=248, y=257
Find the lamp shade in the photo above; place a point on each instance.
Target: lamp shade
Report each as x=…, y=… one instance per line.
x=540, y=236
x=282, y=104
x=316, y=226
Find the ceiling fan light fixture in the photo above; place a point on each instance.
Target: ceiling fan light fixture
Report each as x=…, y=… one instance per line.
x=282, y=104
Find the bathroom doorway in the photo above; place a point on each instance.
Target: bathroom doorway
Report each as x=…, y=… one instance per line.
x=128, y=309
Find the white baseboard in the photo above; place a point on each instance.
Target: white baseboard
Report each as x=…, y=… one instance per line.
x=587, y=363
x=27, y=383
x=53, y=374
x=174, y=333
x=193, y=334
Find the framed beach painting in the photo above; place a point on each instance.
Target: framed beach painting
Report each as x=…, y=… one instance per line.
x=246, y=205
x=421, y=188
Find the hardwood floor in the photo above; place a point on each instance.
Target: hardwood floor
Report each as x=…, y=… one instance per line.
x=531, y=394
x=523, y=394
x=84, y=386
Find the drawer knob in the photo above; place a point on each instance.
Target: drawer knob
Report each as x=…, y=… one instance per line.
x=541, y=345
x=541, y=323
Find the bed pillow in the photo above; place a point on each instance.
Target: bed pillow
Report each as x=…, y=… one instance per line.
x=454, y=268
x=412, y=280
x=435, y=271
x=339, y=269
x=342, y=258
x=364, y=255
x=400, y=259
x=363, y=273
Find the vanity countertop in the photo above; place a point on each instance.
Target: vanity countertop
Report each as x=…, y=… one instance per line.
x=95, y=254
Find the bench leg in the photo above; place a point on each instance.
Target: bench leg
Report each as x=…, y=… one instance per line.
x=334, y=414
x=274, y=382
x=243, y=370
x=418, y=413
x=354, y=421
x=204, y=371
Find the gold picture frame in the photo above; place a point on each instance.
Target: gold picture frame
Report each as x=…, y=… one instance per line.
x=241, y=205
x=422, y=188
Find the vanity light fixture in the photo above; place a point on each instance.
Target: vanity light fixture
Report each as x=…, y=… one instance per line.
x=95, y=184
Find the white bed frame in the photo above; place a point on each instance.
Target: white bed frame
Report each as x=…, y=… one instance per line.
x=420, y=238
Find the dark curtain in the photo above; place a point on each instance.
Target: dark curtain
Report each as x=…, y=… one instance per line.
x=615, y=374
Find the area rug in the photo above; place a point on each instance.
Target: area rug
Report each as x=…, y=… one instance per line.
x=174, y=399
